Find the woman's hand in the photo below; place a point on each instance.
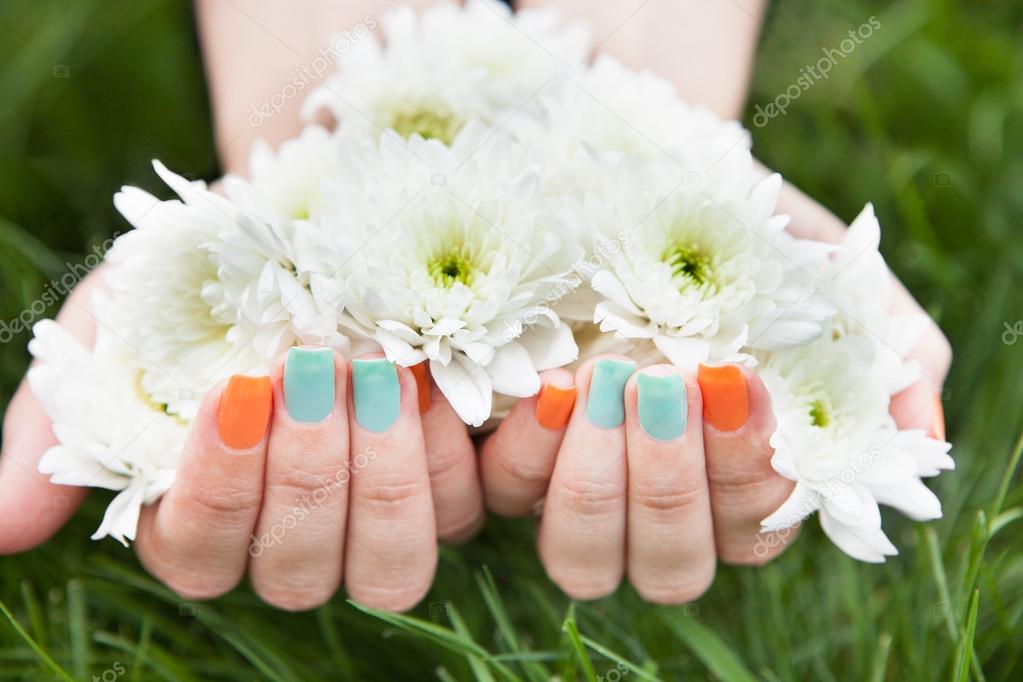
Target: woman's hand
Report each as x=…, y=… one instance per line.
x=657, y=474
x=297, y=501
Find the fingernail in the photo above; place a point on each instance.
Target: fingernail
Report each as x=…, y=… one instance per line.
x=606, y=404
x=662, y=405
x=554, y=406
x=377, y=393
x=309, y=384
x=938, y=423
x=244, y=411
x=725, y=396
x=422, y=374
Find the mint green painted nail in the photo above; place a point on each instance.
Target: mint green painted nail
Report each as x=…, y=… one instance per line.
x=309, y=384
x=605, y=406
x=662, y=405
x=377, y=394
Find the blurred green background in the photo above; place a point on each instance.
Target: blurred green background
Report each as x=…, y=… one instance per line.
x=924, y=119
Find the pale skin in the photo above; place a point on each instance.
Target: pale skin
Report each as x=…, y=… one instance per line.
x=618, y=503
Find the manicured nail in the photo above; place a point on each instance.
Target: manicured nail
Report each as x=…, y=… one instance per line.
x=244, y=411
x=422, y=374
x=309, y=384
x=377, y=393
x=938, y=423
x=554, y=406
x=662, y=405
x=606, y=404
x=725, y=397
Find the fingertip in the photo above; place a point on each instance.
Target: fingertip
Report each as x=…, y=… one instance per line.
x=243, y=411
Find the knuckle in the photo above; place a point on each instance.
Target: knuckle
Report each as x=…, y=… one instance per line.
x=524, y=470
x=447, y=461
x=590, y=497
x=224, y=503
x=667, y=496
x=386, y=493
x=297, y=483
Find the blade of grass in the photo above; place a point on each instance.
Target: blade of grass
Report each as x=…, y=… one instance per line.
x=479, y=668
x=439, y=635
x=142, y=651
x=43, y=656
x=78, y=628
x=965, y=650
x=705, y=644
x=35, y=614
x=492, y=598
x=572, y=631
x=884, y=648
x=607, y=653
x=338, y=652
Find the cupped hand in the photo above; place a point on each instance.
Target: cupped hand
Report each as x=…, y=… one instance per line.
x=276, y=480
x=657, y=475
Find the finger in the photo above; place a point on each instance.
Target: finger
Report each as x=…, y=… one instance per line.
x=744, y=488
x=297, y=550
x=196, y=538
x=582, y=531
x=517, y=460
x=920, y=405
x=391, y=549
x=32, y=508
x=451, y=460
x=671, y=557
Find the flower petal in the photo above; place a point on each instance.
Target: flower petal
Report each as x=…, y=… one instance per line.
x=466, y=386
x=513, y=373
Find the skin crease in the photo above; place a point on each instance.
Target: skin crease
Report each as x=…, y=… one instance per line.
x=250, y=50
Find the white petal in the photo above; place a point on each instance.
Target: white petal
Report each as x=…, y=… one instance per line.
x=865, y=544
x=550, y=347
x=513, y=373
x=122, y=516
x=911, y=497
x=685, y=352
x=466, y=386
x=802, y=502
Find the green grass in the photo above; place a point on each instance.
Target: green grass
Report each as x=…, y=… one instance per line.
x=924, y=119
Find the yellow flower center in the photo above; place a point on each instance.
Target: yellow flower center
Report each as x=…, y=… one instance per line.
x=689, y=264
x=432, y=124
x=455, y=265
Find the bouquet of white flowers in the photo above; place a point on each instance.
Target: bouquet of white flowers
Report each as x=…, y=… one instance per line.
x=495, y=206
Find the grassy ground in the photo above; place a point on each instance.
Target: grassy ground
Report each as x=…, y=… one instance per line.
x=923, y=119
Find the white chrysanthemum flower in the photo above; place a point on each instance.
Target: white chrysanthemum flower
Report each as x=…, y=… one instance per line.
x=206, y=290
x=859, y=285
x=457, y=268
x=288, y=184
x=836, y=439
x=110, y=434
x=702, y=268
x=448, y=66
x=169, y=294
x=608, y=110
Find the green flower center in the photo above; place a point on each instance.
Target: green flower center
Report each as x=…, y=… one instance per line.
x=453, y=266
x=430, y=123
x=820, y=413
x=689, y=263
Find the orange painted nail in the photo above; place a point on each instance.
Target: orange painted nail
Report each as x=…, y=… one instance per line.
x=244, y=411
x=554, y=406
x=422, y=374
x=725, y=398
x=938, y=423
